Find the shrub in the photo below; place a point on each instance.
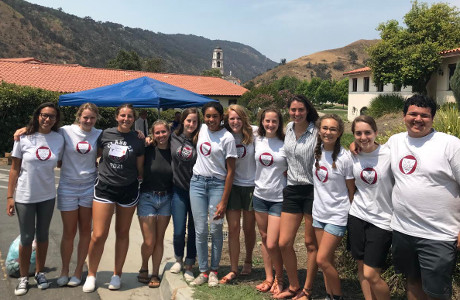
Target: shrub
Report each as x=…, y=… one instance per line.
x=385, y=104
x=447, y=120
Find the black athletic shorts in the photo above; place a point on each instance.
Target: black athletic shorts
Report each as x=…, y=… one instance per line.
x=368, y=242
x=125, y=196
x=298, y=199
x=432, y=261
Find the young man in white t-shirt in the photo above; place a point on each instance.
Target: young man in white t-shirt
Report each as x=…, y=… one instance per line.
x=426, y=202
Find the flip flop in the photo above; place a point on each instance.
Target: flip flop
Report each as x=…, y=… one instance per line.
x=304, y=293
x=287, y=293
x=228, y=278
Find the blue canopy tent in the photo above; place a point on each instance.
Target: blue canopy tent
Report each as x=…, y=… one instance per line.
x=140, y=92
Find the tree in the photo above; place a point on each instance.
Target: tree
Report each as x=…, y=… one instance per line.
x=153, y=65
x=340, y=91
x=287, y=83
x=212, y=73
x=283, y=61
x=409, y=55
x=455, y=84
x=353, y=56
x=126, y=60
x=324, y=92
x=310, y=90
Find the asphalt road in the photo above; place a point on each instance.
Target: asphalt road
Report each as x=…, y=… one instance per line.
x=131, y=289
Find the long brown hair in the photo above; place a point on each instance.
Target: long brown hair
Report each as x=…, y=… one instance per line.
x=365, y=119
x=180, y=128
x=279, y=132
x=319, y=141
x=246, y=130
x=32, y=127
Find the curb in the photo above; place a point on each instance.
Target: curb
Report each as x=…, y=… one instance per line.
x=173, y=286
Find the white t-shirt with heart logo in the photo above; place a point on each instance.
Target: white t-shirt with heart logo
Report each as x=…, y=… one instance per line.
x=80, y=152
x=39, y=154
x=271, y=166
x=374, y=182
x=331, y=202
x=245, y=166
x=213, y=148
x=426, y=194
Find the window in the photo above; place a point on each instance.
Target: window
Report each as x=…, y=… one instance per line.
x=379, y=87
x=396, y=87
x=218, y=55
x=355, y=85
x=451, y=73
x=232, y=101
x=366, y=84
x=218, y=64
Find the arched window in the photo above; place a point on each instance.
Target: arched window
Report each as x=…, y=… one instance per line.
x=218, y=64
x=218, y=55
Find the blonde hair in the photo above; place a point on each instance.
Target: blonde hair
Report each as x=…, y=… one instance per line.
x=246, y=130
x=156, y=123
x=89, y=106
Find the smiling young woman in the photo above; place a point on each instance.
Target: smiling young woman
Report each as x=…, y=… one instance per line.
x=117, y=187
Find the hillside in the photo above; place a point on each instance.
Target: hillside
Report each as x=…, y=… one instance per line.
x=29, y=30
x=324, y=64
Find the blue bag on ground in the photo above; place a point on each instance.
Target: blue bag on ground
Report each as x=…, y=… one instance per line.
x=12, y=259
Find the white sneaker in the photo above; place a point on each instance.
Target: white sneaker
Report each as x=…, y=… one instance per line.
x=22, y=287
x=188, y=276
x=63, y=280
x=42, y=282
x=115, y=283
x=74, y=281
x=176, y=268
x=199, y=280
x=90, y=284
x=213, y=280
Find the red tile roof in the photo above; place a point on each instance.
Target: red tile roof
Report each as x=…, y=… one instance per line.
x=75, y=78
x=450, y=52
x=365, y=69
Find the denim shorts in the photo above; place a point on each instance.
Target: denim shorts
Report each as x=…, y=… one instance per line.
x=336, y=230
x=72, y=195
x=154, y=204
x=268, y=207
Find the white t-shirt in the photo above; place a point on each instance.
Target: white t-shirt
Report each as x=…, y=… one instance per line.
x=80, y=152
x=426, y=195
x=331, y=202
x=374, y=182
x=213, y=148
x=271, y=166
x=39, y=154
x=245, y=167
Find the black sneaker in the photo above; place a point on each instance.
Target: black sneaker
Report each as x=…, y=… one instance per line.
x=42, y=282
x=22, y=287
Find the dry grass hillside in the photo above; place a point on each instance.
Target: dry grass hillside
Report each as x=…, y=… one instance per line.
x=324, y=64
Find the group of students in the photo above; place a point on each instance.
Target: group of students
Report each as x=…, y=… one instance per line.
x=200, y=173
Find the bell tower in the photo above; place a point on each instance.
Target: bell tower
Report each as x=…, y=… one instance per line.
x=218, y=59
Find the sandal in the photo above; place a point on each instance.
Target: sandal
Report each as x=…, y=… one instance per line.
x=265, y=286
x=276, y=285
x=143, y=276
x=154, y=282
x=304, y=293
x=247, y=268
x=228, y=278
x=287, y=293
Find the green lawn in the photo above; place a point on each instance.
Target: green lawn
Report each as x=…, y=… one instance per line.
x=342, y=113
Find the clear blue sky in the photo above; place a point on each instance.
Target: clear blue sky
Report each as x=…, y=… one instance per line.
x=276, y=28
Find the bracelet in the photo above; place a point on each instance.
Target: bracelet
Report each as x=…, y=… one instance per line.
x=9, y=197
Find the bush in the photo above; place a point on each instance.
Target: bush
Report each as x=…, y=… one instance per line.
x=17, y=104
x=447, y=120
x=385, y=104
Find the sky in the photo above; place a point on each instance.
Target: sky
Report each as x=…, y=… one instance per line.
x=276, y=28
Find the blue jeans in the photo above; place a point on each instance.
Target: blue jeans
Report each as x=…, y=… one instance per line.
x=180, y=209
x=205, y=194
